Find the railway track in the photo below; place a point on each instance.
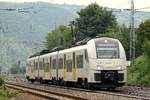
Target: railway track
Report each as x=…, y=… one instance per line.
x=126, y=90
x=58, y=92
x=44, y=93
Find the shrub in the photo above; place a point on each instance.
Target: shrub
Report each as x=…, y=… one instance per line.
x=1, y=82
x=139, y=73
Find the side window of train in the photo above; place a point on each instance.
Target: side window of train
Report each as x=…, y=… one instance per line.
x=46, y=67
x=86, y=55
x=27, y=65
x=79, y=60
x=40, y=65
x=36, y=66
x=74, y=60
x=54, y=64
x=64, y=61
x=69, y=65
x=43, y=64
x=50, y=63
x=60, y=63
x=30, y=66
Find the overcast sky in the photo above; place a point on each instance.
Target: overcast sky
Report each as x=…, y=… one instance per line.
x=105, y=3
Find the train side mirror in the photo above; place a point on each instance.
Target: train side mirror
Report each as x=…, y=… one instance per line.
x=128, y=63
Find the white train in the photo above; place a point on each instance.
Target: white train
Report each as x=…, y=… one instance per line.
x=100, y=62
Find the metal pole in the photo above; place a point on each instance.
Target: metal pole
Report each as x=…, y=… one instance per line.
x=133, y=29
x=132, y=33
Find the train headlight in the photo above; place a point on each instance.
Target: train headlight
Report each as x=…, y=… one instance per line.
x=119, y=68
x=99, y=67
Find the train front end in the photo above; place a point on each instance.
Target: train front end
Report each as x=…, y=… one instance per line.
x=107, y=63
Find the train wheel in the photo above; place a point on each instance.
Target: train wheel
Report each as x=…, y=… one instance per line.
x=72, y=84
x=91, y=86
x=61, y=82
x=32, y=81
x=41, y=81
x=65, y=83
x=53, y=82
x=68, y=84
x=86, y=85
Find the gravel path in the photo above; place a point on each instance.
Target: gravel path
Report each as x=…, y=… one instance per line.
x=137, y=91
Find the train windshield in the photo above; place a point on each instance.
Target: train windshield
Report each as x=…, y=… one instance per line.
x=107, y=52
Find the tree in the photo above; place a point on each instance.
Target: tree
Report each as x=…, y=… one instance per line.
x=94, y=20
x=0, y=69
x=15, y=68
x=60, y=37
x=122, y=34
x=143, y=36
x=146, y=47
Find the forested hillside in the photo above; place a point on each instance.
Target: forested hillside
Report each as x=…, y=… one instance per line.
x=22, y=32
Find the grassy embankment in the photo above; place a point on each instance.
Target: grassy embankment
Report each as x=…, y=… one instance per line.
x=4, y=92
x=139, y=73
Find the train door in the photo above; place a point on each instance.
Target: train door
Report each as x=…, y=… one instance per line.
x=74, y=67
x=80, y=64
x=57, y=64
x=50, y=66
x=32, y=69
x=64, y=76
x=29, y=68
x=43, y=73
x=38, y=67
x=46, y=68
x=60, y=66
x=35, y=69
x=69, y=66
x=41, y=69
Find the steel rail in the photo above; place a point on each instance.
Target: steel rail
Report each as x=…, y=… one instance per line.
x=103, y=93
x=44, y=93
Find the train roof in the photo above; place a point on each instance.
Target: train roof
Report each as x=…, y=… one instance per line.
x=76, y=46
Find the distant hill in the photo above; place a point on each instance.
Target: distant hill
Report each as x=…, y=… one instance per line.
x=23, y=26
x=123, y=17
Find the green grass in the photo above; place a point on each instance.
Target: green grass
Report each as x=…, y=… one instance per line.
x=139, y=73
x=5, y=94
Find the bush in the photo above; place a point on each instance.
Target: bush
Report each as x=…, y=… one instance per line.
x=1, y=82
x=146, y=47
x=5, y=93
x=139, y=73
